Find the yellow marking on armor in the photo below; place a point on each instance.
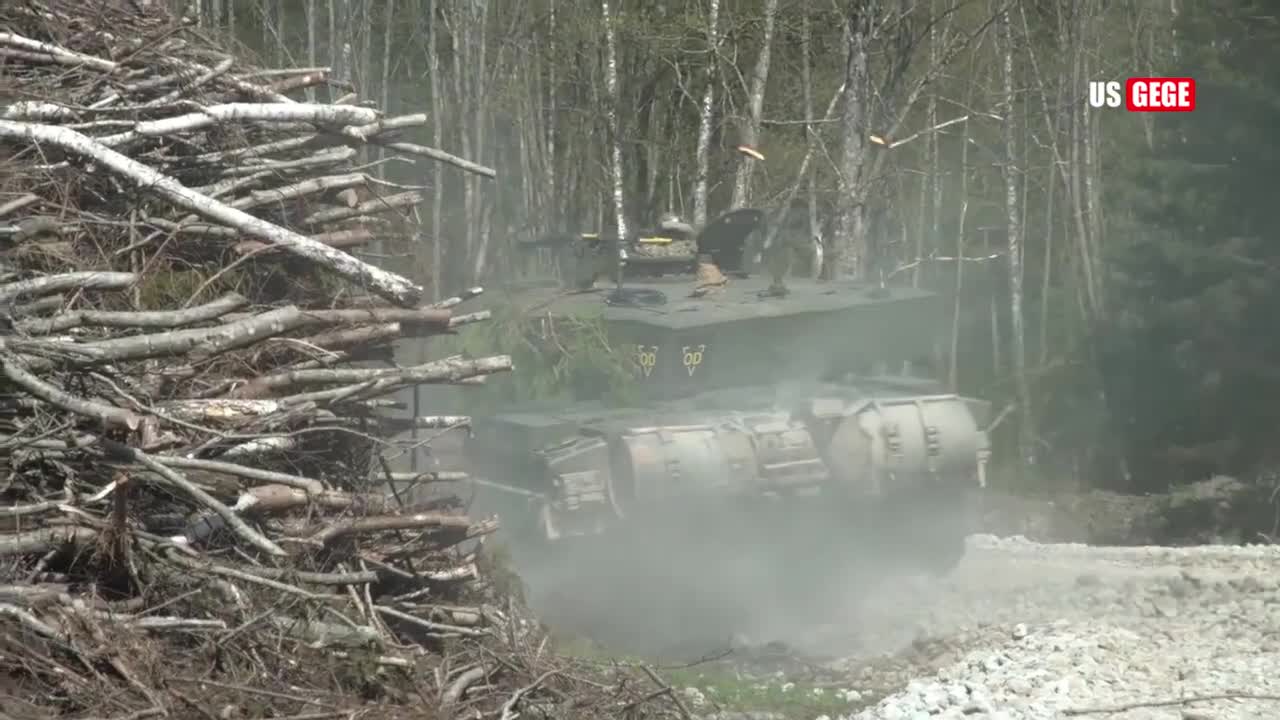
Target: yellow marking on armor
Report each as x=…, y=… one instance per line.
x=693, y=357
x=647, y=358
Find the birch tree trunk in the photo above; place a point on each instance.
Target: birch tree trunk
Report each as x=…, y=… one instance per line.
x=478, y=212
x=264, y=9
x=755, y=108
x=931, y=184
x=552, y=122
x=387, y=37
x=1013, y=221
x=462, y=34
x=962, y=219
x=310, y=10
x=703, y=151
x=806, y=70
x=953, y=369
x=1092, y=179
x=364, y=66
x=851, y=250
x=611, y=116
x=437, y=139
x=1074, y=179
x=343, y=67
x=1046, y=272
x=334, y=70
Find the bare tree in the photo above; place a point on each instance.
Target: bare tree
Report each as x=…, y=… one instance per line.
x=755, y=108
x=1074, y=22
x=806, y=70
x=703, y=150
x=312, y=57
x=552, y=124
x=850, y=240
x=437, y=139
x=611, y=116
x=388, y=35
x=364, y=68
x=334, y=44
x=931, y=181
x=1014, y=226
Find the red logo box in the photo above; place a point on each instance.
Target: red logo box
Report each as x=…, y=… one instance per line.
x=1160, y=94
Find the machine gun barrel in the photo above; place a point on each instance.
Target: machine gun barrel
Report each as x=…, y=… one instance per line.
x=593, y=256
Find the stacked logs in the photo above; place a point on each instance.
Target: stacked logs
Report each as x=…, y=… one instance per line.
x=197, y=518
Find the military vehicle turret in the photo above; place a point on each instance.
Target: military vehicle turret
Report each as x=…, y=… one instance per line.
x=787, y=420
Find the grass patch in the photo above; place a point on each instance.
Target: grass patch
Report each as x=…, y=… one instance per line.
x=732, y=691
x=727, y=690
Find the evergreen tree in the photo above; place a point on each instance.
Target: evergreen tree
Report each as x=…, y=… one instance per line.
x=1198, y=346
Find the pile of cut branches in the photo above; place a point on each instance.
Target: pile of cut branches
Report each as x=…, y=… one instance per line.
x=196, y=515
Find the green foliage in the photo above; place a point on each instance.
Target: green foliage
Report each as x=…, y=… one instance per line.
x=1200, y=284
x=562, y=361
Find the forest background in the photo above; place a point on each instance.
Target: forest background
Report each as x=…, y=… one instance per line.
x=1113, y=276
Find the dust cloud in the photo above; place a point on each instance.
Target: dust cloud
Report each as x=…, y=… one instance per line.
x=687, y=583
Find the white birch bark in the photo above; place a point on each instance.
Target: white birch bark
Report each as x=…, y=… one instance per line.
x=1092, y=178
x=930, y=185
x=553, y=123
x=243, y=112
x=851, y=231
x=437, y=139
x=342, y=68
x=334, y=44
x=1013, y=221
x=704, y=122
x=479, y=215
x=364, y=71
x=55, y=53
x=388, y=285
x=388, y=37
x=751, y=128
x=310, y=10
x=1074, y=179
x=806, y=69
x=615, y=139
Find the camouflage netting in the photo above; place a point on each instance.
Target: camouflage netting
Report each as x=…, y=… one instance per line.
x=197, y=517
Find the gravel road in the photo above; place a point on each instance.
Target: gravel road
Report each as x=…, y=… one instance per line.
x=1030, y=631
x=1024, y=630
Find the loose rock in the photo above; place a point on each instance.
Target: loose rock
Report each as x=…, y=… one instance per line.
x=1046, y=630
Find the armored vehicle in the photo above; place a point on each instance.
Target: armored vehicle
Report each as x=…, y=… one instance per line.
x=786, y=426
